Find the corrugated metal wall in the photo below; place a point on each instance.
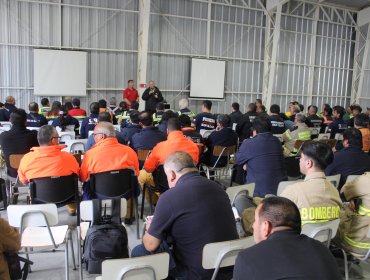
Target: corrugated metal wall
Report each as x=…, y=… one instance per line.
x=108, y=30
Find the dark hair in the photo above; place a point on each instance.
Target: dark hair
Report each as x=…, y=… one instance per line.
x=135, y=105
x=280, y=211
x=328, y=110
x=94, y=108
x=33, y=107
x=356, y=107
x=55, y=108
x=314, y=107
x=320, y=153
x=18, y=117
x=223, y=120
x=258, y=100
x=146, y=118
x=160, y=106
x=104, y=117
x=169, y=114
x=102, y=103
x=129, y=81
x=261, y=124
x=354, y=137
x=362, y=120
x=123, y=105
x=173, y=124
x=134, y=117
x=44, y=101
x=68, y=106
x=301, y=107
x=252, y=107
x=185, y=120
x=45, y=134
x=263, y=108
x=76, y=102
x=340, y=110
x=275, y=109
x=235, y=106
x=207, y=104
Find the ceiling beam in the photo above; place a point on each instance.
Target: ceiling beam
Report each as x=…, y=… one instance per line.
x=272, y=4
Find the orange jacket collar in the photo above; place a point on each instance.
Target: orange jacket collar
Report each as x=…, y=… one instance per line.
x=48, y=149
x=175, y=134
x=106, y=142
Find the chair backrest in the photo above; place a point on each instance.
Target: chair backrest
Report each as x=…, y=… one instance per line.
x=223, y=151
x=160, y=179
x=330, y=142
x=233, y=192
x=221, y=254
x=338, y=136
x=315, y=130
x=69, y=143
x=59, y=189
x=33, y=128
x=283, y=184
x=334, y=179
x=280, y=137
x=110, y=184
x=86, y=208
x=15, y=160
x=76, y=147
x=323, y=136
x=351, y=178
x=68, y=128
x=322, y=232
x=6, y=125
x=91, y=132
x=67, y=135
x=144, y=268
x=35, y=218
x=298, y=144
x=143, y=154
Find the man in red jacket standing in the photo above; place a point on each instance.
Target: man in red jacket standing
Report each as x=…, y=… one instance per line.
x=130, y=94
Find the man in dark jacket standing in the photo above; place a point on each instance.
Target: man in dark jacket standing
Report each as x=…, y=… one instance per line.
x=152, y=95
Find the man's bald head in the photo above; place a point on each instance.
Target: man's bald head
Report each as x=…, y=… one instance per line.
x=105, y=128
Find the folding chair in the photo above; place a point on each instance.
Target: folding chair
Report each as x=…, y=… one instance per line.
x=314, y=132
x=233, y=192
x=323, y=232
x=77, y=148
x=13, y=182
x=222, y=254
x=66, y=135
x=39, y=230
x=151, y=267
x=323, y=136
x=298, y=146
x=117, y=183
x=283, y=184
x=59, y=190
x=334, y=179
x=330, y=142
x=219, y=152
x=160, y=186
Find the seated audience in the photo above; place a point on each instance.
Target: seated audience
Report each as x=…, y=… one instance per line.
x=293, y=111
x=277, y=122
x=149, y=136
x=263, y=158
x=162, y=126
x=190, y=220
x=317, y=198
x=77, y=112
x=18, y=140
x=113, y=105
x=313, y=120
x=261, y=111
x=223, y=136
x=299, y=131
x=175, y=142
x=354, y=223
x=65, y=120
x=338, y=125
x=205, y=120
x=355, y=109
x=188, y=130
x=235, y=115
x=9, y=107
x=48, y=160
x=351, y=160
x=327, y=116
x=159, y=111
x=54, y=110
x=45, y=106
x=290, y=108
x=10, y=241
x=132, y=127
x=361, y=122
x=88, y=124
x=105, y=117
x=125, y=116
x=282, y=252
x=103, y=107
x=184, y=110
x=243, y=128
x=34, y=119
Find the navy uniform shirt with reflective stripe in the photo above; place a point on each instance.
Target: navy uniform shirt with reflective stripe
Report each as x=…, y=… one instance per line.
x=263, y=155
x=88, y=124
x=205, y=121
x=277, y=124
x=36, y=120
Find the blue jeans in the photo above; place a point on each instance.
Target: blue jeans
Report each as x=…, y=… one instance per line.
x=174, y=271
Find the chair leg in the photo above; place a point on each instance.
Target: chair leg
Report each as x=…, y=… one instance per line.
x=346, y=268
x=137, y=217
x=72, y=250
x=142, y=202
x=66, y=261
x=28, y=258
x=78, y=232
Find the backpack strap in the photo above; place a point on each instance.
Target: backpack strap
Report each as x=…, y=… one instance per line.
x=116, y=211
x=96, y=212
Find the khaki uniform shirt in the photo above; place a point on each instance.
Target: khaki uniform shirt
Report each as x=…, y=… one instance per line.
x=317, y=199
x=298, y=132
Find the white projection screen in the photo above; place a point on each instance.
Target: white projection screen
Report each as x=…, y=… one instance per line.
x=59, y=73
x=207, y=79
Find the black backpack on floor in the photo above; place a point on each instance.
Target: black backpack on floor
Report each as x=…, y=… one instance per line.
x=106, y=238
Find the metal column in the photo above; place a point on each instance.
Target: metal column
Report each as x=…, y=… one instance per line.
x=143, y=39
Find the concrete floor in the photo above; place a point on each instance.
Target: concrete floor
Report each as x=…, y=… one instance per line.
x=50, y=266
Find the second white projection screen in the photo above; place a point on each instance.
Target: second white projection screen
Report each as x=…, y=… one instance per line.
x=59, y=73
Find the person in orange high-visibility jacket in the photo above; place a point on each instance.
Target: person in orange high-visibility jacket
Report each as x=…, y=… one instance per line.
x=176, y=141
x=48, y=160
x=106, y=155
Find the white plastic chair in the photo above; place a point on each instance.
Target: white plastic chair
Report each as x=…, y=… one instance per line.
x=71, y=147
x=38, y=228
x=66, y=135
x=283, y=184
x=144, y=268
x=334, y=179
x=233, y=192
x=323, y=136
x=323, y=232
x=68, y=128
x=314, y=130
x=33, y=128
x=222, y=254
x=338, y=137
x=6, y=125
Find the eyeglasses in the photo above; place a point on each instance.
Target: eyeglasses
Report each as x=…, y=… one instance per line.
x=94, y=134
